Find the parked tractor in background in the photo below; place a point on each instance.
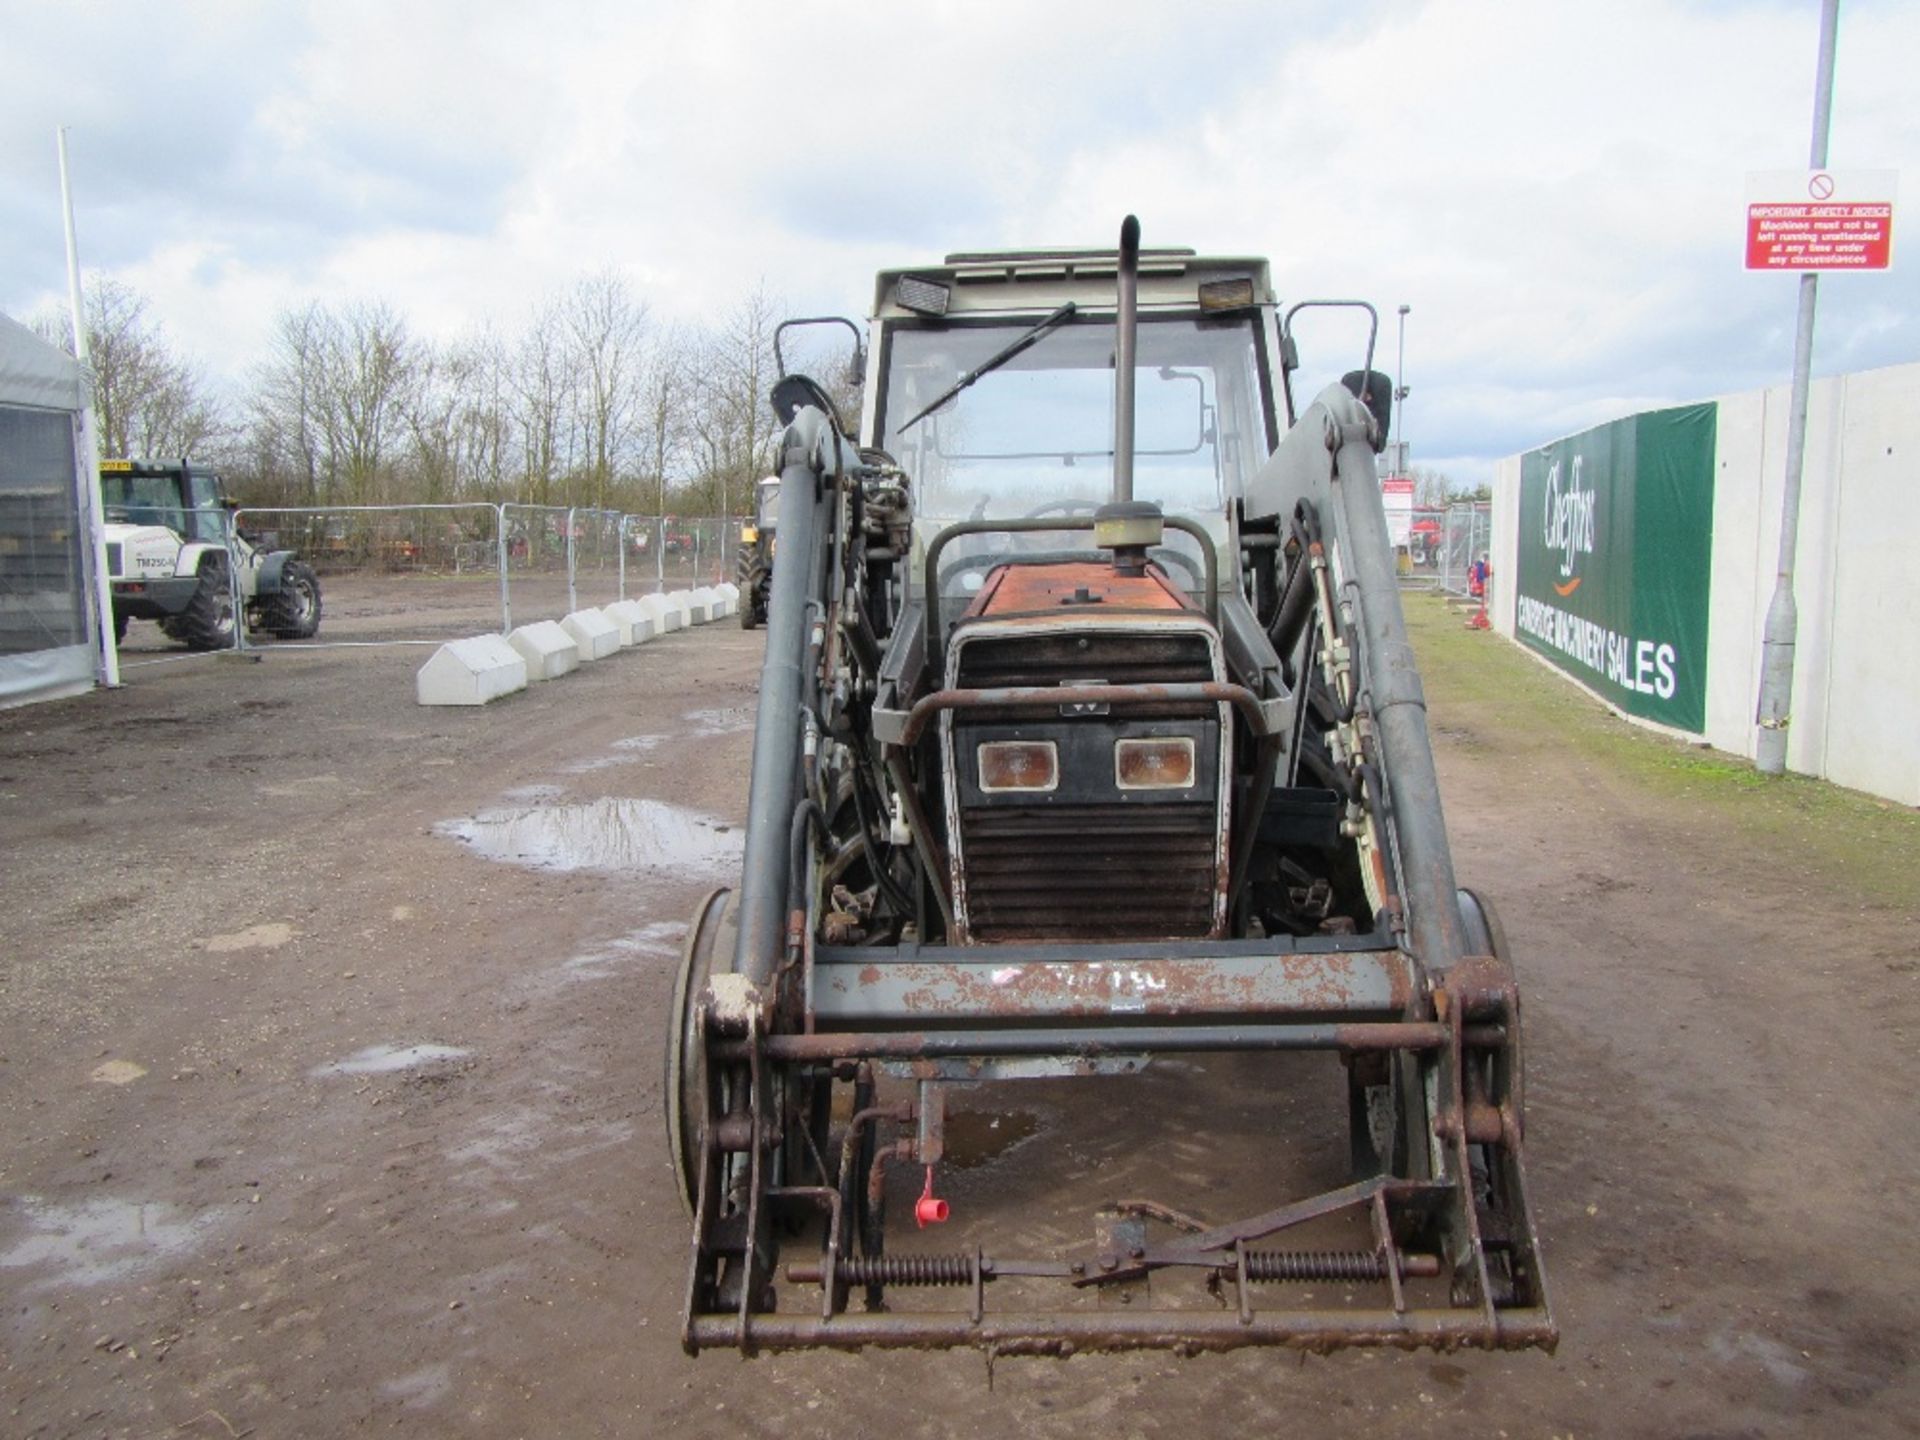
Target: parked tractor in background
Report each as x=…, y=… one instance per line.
x=1089, y=740
x=172, y=557
x=753, y=568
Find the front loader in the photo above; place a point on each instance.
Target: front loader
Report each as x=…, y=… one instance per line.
x=1090, y=743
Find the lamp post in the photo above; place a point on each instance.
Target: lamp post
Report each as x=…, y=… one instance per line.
x=1772, y=715
x=1400, y=396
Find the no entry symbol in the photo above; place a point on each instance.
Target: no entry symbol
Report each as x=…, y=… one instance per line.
x=1821, y=187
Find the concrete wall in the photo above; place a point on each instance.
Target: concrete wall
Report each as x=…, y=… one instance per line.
x=1856, y=697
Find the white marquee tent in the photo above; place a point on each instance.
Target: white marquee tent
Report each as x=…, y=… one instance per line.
x=49, y=641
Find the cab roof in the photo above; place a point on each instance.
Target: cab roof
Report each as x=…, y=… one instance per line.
x=1022, y=281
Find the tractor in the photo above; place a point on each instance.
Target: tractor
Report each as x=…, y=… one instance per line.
x=1090, y=750
x=174, y=557
x=753, y=567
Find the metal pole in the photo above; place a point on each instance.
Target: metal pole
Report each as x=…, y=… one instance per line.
x=1773, y=712
x=620, y=540
x=1123, y=359
x=107, y=671
x=573, y=598
x=500, y=550
x=1400, y=396
x=660, y=554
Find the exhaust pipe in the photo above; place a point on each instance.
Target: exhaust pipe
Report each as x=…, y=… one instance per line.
x=1125, y=325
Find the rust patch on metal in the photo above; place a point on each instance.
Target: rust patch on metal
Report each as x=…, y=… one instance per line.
x=1022, y=589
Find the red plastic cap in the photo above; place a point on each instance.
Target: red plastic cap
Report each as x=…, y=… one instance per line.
x=928, y=1210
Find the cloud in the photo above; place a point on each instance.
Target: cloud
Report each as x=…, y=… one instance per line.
x=1554, y=188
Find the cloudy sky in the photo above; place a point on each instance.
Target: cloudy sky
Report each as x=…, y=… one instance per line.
x=1555, y=188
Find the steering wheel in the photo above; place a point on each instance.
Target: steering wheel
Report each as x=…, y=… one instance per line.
x=1063, y=507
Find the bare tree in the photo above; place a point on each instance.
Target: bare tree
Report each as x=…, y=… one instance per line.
x=605, y=329
x=147, y=399
x=1431, y=489
x=730, y=423
x=541, y=383
x=283, y=407
x=330, y=403
x=666, y=389
x=370, y=365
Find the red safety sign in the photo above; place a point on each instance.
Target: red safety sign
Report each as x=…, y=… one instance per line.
x=1822, y=220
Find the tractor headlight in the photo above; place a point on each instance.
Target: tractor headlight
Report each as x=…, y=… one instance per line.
x=1160, y=764
x=1019, y=765
x=748, y=534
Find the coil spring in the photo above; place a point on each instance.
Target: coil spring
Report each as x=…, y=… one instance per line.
x=904, y=1270
x=1315, y=1265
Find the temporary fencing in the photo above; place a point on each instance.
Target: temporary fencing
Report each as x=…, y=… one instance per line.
x=1466, y=533
x=425, y=574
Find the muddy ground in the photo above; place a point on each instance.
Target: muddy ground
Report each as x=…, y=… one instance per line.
x=320, y=1121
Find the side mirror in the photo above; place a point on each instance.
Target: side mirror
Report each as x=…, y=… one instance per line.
x=1375, y=391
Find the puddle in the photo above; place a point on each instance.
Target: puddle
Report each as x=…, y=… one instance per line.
x=387, y=1059
x=728, y=721
x=975, y=1138
x=421, y=1388
x=624, y=752
x=1781, y=1363
x=533, y=794
x=255, y=937
x=100, y=1240
x=659, y=940
x=606, y=834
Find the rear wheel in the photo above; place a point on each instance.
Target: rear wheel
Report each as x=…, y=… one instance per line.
x=293, y=611
x=208, y=621
x=750, y=576
x=120, y=621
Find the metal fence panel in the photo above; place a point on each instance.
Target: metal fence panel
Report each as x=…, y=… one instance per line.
x=1466, y=535
x=424, y=574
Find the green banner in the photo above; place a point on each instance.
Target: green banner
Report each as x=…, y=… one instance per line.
x=1616, y=544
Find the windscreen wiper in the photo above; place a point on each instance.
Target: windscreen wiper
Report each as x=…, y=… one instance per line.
x=993, y=364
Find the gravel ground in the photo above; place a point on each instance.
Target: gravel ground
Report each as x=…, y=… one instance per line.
x=323, y=1118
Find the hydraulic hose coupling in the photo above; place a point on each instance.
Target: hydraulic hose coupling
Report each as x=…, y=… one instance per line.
x=929, y=1210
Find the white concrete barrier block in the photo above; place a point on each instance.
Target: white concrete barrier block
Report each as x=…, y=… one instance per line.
x=549, y=651
x=596, y=635
x=471, y=672
x=730, y=593
x=634, y=621
x=665, y=611
x=683, y=607
x=704, y=606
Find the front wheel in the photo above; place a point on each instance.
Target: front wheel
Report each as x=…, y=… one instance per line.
x=208, y=621
x=684, y=1099
x=293, y=611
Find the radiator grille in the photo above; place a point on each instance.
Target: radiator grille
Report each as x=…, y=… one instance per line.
x=1090, y=872
x=1117, y=659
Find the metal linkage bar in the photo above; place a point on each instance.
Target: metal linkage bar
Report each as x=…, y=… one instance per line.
x=969, y=986
x=1092, y=1040
x=1065, y=1332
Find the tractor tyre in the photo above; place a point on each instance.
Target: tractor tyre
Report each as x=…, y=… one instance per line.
x=293, y=611
x=120, y=622
x=208, y=622
x=746, y=574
